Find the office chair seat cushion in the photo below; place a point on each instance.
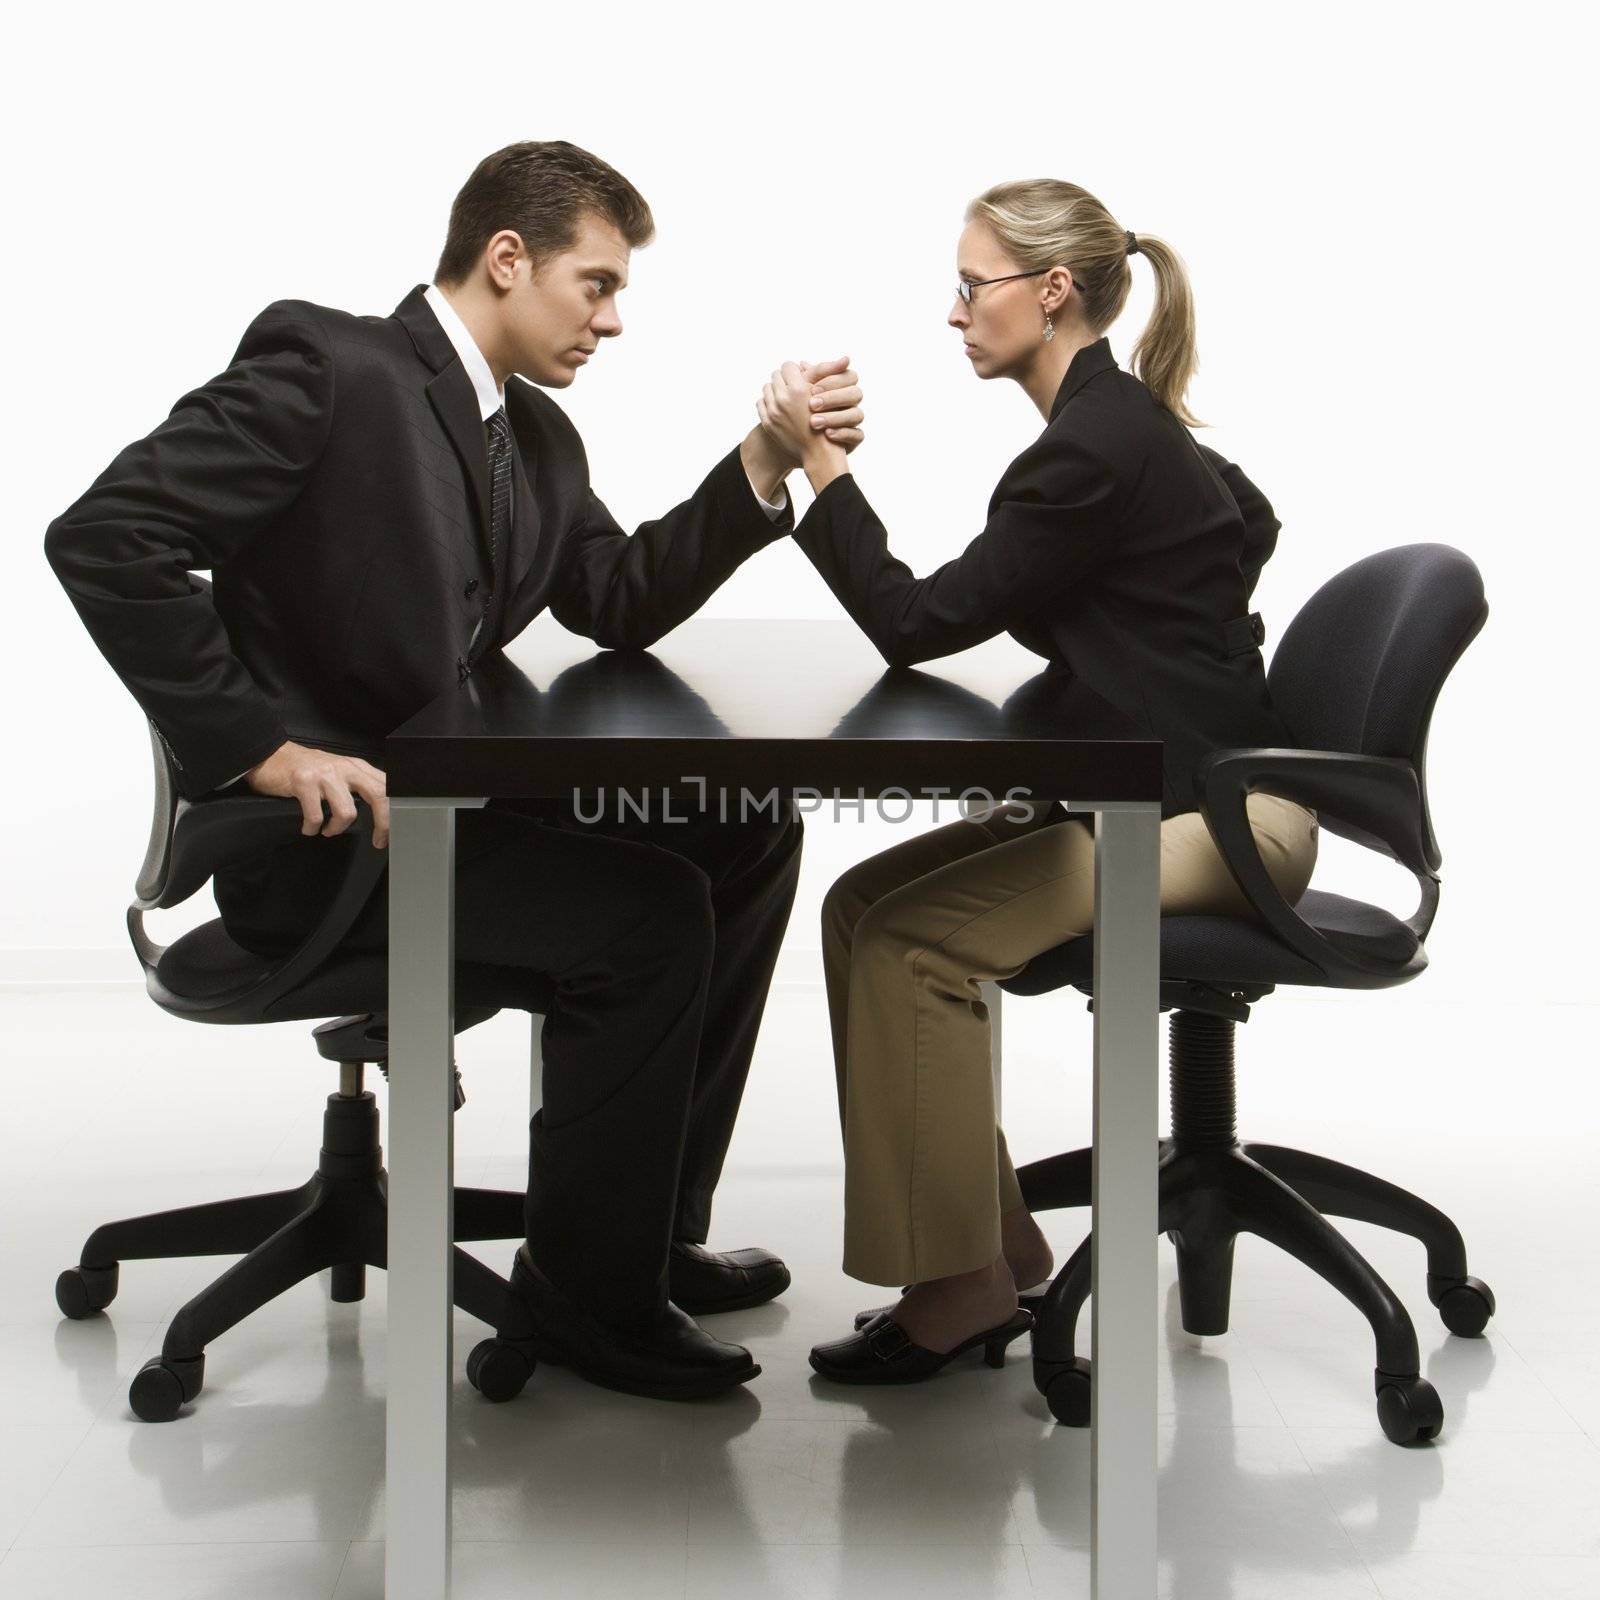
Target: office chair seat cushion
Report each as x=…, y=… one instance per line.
x=1230, y=949
x=205, y=963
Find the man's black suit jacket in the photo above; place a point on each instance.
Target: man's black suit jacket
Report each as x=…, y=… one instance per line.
x=334, y=480
x=1115, y=546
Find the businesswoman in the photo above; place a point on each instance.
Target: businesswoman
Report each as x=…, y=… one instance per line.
x=1119, y=548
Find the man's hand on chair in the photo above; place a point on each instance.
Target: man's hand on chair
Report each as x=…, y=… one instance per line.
x=317, y=777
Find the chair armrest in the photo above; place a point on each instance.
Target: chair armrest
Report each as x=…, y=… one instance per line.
x=208, y=834
x=1375, y=800
x=214, y=832
x=355, y=889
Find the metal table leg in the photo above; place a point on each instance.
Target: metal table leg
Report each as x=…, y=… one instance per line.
x=1127, y=1031
x=421, y=1196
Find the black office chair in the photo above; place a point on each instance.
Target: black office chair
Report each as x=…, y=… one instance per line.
x=1355, y=679
x=338, y=1218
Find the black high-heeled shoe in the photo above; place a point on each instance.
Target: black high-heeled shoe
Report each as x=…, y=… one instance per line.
x=1028, y=1302
x=883, y=1352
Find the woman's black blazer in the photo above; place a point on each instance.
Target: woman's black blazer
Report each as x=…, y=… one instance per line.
x=1116, y=546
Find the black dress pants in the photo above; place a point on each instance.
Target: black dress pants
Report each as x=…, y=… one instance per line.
x=660, y=937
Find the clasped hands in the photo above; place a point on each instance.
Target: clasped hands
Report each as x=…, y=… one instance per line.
x=810, y=416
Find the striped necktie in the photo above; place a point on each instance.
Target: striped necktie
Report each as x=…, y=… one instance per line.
x=499, y=490
x=499, y=431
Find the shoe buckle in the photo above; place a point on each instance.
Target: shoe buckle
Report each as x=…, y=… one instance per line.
x=886, y=1339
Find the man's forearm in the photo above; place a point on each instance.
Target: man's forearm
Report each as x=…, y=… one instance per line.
x=763, y=465
x=624, y=591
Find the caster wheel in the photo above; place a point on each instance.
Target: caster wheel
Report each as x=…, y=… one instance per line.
x=1466, y=1307
x=82, y=1291
x=1410, y=1411
x=1066, y=1389
x=160, y=1387
x=499, y=1370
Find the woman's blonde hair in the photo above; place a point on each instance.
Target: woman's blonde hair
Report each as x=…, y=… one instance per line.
x=1042, y=222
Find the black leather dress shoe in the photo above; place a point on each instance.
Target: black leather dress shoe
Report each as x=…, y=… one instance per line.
x=666, y=1358
x=883, y=1352
x=701, y=1281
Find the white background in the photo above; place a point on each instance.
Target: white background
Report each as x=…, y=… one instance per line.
x=1386, y=213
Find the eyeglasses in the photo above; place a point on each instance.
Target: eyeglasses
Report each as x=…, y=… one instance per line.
x=964, y=288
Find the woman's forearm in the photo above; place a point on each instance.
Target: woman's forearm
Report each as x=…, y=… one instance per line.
x=823, y=464
x=843, y=538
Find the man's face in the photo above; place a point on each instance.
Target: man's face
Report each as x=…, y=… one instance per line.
x=556, y=317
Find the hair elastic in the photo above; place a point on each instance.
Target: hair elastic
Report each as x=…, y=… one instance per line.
x=1133, y=243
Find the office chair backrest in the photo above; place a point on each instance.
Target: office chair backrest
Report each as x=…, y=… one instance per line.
x=1361, y=665
x=154, y=874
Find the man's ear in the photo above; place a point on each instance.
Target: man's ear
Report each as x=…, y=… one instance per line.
x=500, y=258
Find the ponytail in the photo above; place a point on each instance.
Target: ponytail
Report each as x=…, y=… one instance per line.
x=1164, y=359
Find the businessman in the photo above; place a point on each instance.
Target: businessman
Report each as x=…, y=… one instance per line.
x=380, y=500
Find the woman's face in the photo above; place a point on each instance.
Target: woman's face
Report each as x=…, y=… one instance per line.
x=1003, y=328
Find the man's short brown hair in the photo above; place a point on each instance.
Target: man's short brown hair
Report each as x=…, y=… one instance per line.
x=539, y=189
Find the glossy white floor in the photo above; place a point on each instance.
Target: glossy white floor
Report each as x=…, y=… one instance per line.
x=1275, y=1479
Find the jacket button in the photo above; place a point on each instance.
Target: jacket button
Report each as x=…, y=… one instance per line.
x=472, y=583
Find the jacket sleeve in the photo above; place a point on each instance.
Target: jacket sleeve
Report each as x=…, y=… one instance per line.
x=1050, y=522
x=626, y=590
x=1260, y=524
x=231, y=456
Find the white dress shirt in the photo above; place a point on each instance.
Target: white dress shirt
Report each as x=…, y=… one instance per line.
x=490, y=399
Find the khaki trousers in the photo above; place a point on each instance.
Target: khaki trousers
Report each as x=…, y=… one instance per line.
x=907, y=937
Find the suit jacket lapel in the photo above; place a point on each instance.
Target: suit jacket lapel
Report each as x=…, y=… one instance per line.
x=452, y=397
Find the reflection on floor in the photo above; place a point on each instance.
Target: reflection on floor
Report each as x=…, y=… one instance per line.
x=1275, y=1479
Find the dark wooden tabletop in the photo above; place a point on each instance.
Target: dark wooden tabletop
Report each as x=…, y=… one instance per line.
x=796, y=705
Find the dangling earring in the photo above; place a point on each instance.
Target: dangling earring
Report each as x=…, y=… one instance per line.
x=1049, y=328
